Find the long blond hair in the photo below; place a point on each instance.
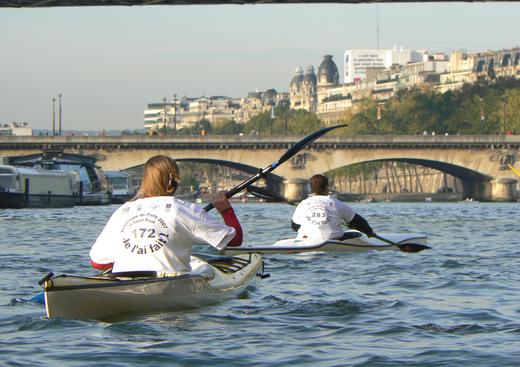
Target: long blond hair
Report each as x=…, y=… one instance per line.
x=160, y=178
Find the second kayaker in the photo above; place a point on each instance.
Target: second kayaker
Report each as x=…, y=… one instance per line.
x=156, y=231
x=321, y=216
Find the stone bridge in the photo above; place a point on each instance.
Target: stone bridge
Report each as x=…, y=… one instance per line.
x=481, y=162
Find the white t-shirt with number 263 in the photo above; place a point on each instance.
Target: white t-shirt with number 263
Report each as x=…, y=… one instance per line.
x=157, y=234
x=321, y=217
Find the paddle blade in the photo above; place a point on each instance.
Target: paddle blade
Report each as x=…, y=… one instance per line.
x=39, y=298
x=405, y=247
x=412, y=247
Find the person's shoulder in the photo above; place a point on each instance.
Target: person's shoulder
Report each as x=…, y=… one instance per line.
x=318, y=198
x=336, y=201
x=344, y=207
x=176, y=203
x=154, y=203
x=186, y=205
x=308, y=200
x=125, y=207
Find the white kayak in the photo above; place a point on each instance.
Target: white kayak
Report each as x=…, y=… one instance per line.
x=353, y=241
x=109, y=296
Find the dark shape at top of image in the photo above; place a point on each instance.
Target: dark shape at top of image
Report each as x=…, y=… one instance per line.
x=65, y=3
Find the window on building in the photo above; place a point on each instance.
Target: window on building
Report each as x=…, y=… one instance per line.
x=506, y=60
x=480, y=66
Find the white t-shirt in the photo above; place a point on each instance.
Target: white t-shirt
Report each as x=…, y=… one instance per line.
x=321, y=217
x=157, y=234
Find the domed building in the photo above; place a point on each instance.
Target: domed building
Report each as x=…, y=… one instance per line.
x=328, y=79
x=328, y=74
x=295, y=87
x=303, y=89
x=269, y=97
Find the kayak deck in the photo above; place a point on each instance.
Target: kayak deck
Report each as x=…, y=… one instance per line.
x=353, y=241
x=110, y=295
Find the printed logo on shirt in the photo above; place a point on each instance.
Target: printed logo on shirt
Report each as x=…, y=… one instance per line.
x=316, y=215
x=168, y=207
x=144, y=233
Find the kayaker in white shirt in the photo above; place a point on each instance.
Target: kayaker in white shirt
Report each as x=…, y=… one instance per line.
x=321, y=216
x=156, y=231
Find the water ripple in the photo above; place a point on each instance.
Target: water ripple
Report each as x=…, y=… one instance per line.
x=456, y=305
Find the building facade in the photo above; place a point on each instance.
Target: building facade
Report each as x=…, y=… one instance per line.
x=466, y=67
x=184, y=112
x=16, y=129
x=372, y=78
x=357, y=61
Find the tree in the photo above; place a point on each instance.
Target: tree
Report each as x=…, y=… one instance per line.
x=259, y=124
x=229, y=127
x=197, y=128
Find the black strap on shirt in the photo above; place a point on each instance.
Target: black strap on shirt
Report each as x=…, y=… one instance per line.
x=295, y=227
x=359, y=223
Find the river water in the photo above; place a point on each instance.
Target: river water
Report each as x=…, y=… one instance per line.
x=455, y=305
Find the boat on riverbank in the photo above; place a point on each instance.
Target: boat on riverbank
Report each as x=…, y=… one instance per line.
x=121, y=186
x=110, y=296
x=24, y=187
x=93, y=185
x=353, y=241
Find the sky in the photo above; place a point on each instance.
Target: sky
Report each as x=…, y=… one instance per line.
x=110, y=62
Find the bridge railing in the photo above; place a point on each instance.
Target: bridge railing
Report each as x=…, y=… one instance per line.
x=258, y=142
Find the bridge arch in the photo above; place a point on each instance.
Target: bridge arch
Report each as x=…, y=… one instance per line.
x=273, y=181
x=474, y=184
x=460, y=172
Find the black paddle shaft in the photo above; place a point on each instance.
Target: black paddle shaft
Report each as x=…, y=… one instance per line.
x=291, y=152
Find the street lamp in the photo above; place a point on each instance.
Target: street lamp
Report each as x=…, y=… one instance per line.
x=482, y=116
x=272, y=118
x=53, y=116
x=164, y=117
x=504, y=100
x=59, y=116
x=378, y=117
x=393, y=115
x=175, y=114
x=285, y=113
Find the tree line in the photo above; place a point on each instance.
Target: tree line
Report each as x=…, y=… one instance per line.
x=484, y=107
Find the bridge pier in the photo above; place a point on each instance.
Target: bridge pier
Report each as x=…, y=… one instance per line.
x=477, y=190
x=296, y=189
x=503, y=189
x=500, y=189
